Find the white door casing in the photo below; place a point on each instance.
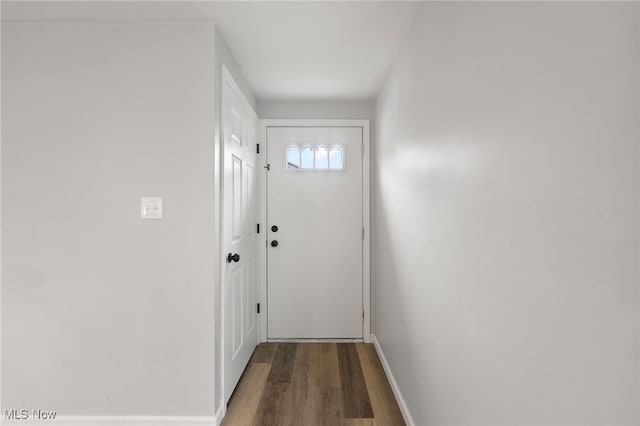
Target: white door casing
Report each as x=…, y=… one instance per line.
x=318, y=275
x=239, y=237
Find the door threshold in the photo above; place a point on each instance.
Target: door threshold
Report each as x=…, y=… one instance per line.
x=314, y=340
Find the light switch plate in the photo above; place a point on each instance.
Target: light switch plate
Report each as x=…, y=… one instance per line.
x=151, y=208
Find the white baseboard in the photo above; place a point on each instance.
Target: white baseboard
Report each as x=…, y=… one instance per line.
x=118, y=421
x=220, y=412
x=394, y=385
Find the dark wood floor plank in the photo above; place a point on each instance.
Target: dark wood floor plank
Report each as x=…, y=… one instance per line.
x=264, y=352
x=282, y=364
x=246, y=398
x=385, y=408
x=328, y=407
x=275, y=405
x=361, y=422
x=302, y=384
x=327, y=371
x=355, y=398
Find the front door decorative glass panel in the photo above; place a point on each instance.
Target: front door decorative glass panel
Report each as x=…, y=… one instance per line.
x=314, y=158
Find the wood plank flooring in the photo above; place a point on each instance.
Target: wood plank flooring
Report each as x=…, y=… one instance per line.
x=323, y=384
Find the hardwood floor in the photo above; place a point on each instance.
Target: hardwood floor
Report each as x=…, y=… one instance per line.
x=306, y=384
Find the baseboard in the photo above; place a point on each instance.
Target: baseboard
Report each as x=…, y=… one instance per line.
x=220, y=412
x=118, y=421
x=394, y=385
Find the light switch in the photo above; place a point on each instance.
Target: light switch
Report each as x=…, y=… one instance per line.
x=151, y=208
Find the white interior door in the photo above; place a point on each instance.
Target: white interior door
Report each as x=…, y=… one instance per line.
x=239, y=232
x=315, y=232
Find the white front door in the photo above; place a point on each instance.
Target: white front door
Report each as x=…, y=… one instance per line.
x=315, y=232
x=239, y=232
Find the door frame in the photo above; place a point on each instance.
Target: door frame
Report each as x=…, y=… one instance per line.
x=228, y=80
x=263, y=126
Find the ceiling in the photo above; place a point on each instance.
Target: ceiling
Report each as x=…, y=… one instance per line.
x=311, y=50
x=305, y=50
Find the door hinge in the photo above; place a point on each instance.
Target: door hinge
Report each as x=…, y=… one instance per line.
x=362, y=149
x=257, y=148
x=257, y=228
x=363, y=233
x=363, y=317
x=258, y=307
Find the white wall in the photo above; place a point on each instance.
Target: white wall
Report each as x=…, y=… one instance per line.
x=104, y=313
x=506, y=261
x=316, y=109
x=223, y=57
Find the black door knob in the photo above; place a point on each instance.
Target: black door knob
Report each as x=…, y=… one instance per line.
x=233, y=257
x=274, y=243
x=274, y=228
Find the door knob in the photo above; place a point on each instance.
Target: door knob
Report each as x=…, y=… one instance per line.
x=274, y=243
x=233, y=257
